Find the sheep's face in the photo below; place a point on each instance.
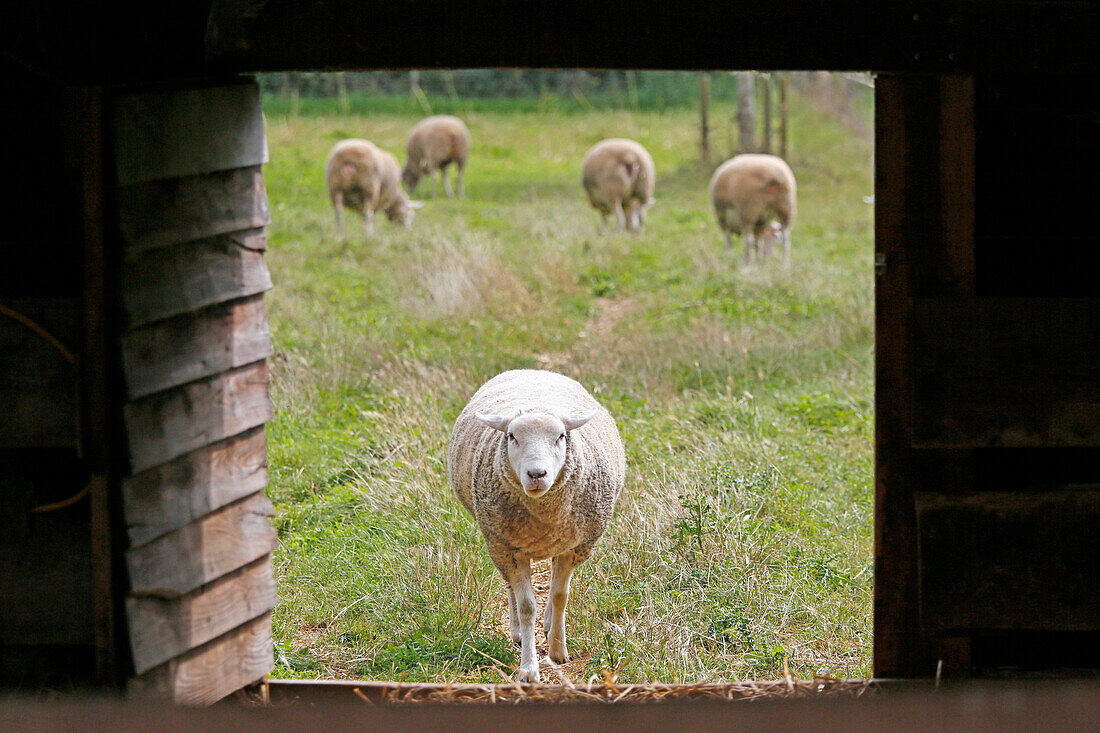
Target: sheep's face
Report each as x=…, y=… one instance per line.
x=410, y=176
x=536, y=445
x=403, y=212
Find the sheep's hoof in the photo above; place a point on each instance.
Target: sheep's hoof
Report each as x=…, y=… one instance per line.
x=528, y=674
x=559, y=658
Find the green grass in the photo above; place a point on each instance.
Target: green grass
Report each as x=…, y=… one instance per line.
x=742, y=542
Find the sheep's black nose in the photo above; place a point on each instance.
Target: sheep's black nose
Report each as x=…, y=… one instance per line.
x=537, y=473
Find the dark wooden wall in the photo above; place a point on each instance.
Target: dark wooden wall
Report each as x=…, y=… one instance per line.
x=57, y=598
x=987, y=374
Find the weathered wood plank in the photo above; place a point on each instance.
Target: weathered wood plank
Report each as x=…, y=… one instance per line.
x=161, y=629
x=170, y=134
x=45, y=563
x=39, y=376
x=192, y=346
x=1006, y=372
x=203, y=551
x=209, y=673
x=1043, y=337
x=173, y=494
x=174, y=210
x=990, y=411
x=1010, y=560
x=165, y=425
x=190, y=276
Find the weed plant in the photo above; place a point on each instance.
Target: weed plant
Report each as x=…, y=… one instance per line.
x=741, y=547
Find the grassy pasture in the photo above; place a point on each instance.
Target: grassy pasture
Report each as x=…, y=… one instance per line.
x=742, y=543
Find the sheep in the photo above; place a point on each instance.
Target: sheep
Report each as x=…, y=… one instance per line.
x=619, y=177
x=434, y=143
x=364, y=178
x=754, y=195
x=539, y=464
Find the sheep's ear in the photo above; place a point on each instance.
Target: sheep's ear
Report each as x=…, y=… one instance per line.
x=496, y=422
x=577, y=419
x=415, y=204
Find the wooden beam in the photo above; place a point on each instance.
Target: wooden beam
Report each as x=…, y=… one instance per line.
x=173, y=494
x=169, y=424
x=220, y=667
x=1010, y=560
x=164, y=212
x=161, y=629
x=192, y=346
x=1006, y=372
x=203, y=551
x=177, y=133
x=895, y=610
x=184, y=278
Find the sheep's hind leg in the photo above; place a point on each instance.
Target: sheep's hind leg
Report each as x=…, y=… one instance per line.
x=620, y=217
x=513, y=618
x=338, y=207
x=446, y=181
x=749, y=237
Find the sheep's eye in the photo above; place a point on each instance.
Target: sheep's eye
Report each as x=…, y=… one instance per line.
x=512, y=437
x=561, y=437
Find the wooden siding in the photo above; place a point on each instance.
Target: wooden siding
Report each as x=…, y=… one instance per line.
x=184, y=278
x=191, y=211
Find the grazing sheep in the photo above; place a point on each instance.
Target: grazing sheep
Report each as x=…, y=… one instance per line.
x=434, y=143
x=619, y=177
x=539, y=463
x=364, y=178
x=754, y=195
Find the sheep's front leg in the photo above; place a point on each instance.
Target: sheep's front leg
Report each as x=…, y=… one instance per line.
x=368, y=219
x=517, y=573
x=458, y=180
x=786, y=234
x=554, y=617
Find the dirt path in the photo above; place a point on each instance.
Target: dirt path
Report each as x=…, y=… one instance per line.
x=597, y=330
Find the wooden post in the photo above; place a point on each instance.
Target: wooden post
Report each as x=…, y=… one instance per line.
x=95, y=366
x=342, y=92
x=767, y=143
x=746, y=111
x=783, y=81
x=704, y=108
